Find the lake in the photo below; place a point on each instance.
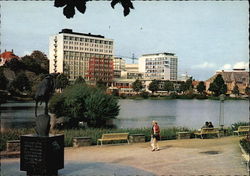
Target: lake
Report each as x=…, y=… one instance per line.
x=140, y=113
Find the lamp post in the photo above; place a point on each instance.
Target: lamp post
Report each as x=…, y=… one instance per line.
x=221, y=117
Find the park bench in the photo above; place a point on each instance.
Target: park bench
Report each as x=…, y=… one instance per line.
x=242, y=129
x=113, y=137
x=207, y=131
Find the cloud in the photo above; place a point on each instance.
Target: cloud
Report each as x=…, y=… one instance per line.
x=240, y=65
x=226, y=67
x=27, y=53
x=205, y=65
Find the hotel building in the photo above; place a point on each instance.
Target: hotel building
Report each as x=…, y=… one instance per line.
x=79, y=54
x=159, y=66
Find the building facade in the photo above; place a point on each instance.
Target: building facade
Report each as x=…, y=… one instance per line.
x=119, y=66
x=132, y=71
x=79, y=54
x=159, y=66
x=6, y=56
x=239, y=77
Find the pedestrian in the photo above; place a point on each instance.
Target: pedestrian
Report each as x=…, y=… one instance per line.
x=210, y=125
x=155, y=136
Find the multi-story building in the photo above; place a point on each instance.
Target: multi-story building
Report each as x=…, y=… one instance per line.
x=79, y=54
x=6, y=56
x=159, y=66
x=132, y=71
x=119, y=66
x=239, y=77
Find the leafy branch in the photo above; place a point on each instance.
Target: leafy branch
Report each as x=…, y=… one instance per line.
x=80, y=5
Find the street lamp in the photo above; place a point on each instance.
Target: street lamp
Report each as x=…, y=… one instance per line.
x=221, y=117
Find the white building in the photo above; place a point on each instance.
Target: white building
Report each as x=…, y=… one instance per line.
x=119, y=66
x=159, y=66
x=75, y=54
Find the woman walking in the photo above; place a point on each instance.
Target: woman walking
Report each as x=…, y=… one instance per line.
x=155, y=136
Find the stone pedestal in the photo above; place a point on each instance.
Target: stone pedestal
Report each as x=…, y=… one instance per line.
x=81, y=141
x=135, y=138
x=42, y=155
x=183, y=135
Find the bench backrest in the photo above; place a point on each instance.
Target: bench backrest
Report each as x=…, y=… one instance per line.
x=115, y=136
x=209, y=130
x=243, y=128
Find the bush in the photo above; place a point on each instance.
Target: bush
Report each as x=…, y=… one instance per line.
x=80, y=102
x=13, y=134
x=245, y=143
x=145, y=94
x=201, y=96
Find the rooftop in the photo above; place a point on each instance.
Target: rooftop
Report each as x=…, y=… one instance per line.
x=169, y=54
x=70, y=31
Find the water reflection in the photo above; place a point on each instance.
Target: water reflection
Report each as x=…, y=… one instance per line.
x=140, y=113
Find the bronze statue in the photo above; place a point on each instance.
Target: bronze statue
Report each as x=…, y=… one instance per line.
x=44, y=92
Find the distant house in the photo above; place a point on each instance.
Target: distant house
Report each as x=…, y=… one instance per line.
x=239, y=77
x=7, y=56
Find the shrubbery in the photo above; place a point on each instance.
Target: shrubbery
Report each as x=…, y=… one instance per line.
x=245, y=143
x=83, y=103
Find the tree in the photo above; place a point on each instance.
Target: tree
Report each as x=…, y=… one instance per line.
x=21, y=83
x=201, y=87
x=80, y=80
x=31, y=64
x=3, y=81
x=80, y=5
x=62, y=81
x=236, y=90
x=84, y=103
x=154, y=86
x=183, y=87
x=189, y=84
x=218, y=86
x=14, y=64
x=168, y=86
x=247, y=91
x=41, y=59
x=101, y=84
x=137, y=85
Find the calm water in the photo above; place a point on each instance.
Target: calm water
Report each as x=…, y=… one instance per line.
x=140, y=113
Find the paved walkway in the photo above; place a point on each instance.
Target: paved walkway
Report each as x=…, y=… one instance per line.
x=177, y=158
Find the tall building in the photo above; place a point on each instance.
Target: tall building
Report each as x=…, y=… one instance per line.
x=159, y=66
x=79, y=54
x=119, y=66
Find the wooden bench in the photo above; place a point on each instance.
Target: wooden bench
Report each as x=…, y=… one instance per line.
x=242, y=129
x=207, y=131
x=113, y=137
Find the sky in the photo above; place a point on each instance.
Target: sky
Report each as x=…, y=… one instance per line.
x=206, y=36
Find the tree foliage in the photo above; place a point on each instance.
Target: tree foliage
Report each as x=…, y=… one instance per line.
x=154, y=86
x=80, y=80
x=201, y=87
x=21, y=83
x=80, y=5
x=41, y=59
x=168, y=86
x=14, y=64
x=3, y=81
x=218, y=86
x=137, y=85
x=235, y=90
x=62, y=81
x=84, y=103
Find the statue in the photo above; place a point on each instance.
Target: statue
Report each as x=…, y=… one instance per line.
x=44, y=92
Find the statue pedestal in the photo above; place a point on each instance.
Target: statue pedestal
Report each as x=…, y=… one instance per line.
x=42, y=155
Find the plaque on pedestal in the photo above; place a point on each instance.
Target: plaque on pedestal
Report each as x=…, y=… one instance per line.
x=42, y=155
